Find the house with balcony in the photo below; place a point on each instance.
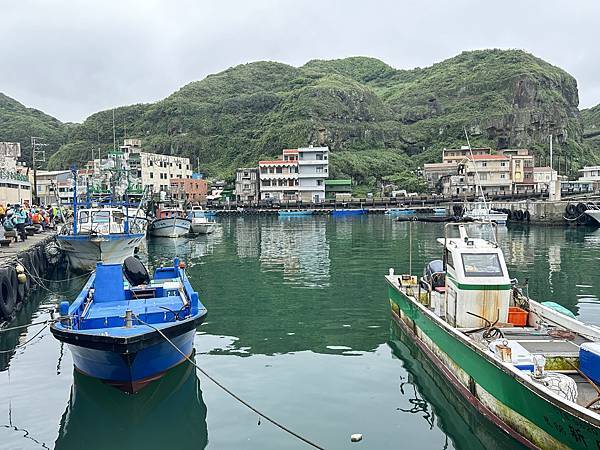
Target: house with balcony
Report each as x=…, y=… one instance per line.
x=278, y=179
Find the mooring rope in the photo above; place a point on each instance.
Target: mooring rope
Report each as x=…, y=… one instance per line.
x=232, y=394
x=24, y=343
x=2, y=330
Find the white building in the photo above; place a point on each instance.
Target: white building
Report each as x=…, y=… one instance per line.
x=313, y=169
x=144, y=168
x=590, y=173
x=14, y=186
x=542, y=176
x=299, y=175
x=279, y=177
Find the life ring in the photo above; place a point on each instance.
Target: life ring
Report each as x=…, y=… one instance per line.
x=581, y=208
x=8, y=295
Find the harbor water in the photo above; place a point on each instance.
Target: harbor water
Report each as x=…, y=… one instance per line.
x=299, y=326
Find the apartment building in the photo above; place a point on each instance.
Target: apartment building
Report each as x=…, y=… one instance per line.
x=144, y=168
x=278, y=179
x=521, y=169
x=491, y=172
x=313, y=169
x=192, y=190
x=247, y=185
x=299, y=175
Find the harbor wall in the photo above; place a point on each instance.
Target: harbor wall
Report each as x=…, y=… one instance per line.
x=23, y=266
x=541, y=212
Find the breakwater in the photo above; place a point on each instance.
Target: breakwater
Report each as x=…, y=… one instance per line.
x=23, y=266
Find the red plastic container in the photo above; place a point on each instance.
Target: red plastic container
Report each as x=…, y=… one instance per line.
x=517, y=316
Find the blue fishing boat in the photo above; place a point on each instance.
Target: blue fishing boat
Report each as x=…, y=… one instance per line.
x=112, y=327
x=348, y=212
x=295, y=212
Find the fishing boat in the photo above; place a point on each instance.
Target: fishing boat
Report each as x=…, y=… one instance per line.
x=399, y=212
x=112, y=327
x=170, y=222
x=200, y=223
x=348, y=212
x=481, y=212
x=295, y=212
x=531, y=368
x=99, y=234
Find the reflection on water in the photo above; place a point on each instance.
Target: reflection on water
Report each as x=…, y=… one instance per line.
x=432, y=397
x=299, y=325
x=298, y=248
x=169, y=413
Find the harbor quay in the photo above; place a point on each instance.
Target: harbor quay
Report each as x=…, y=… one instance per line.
x=24, y=266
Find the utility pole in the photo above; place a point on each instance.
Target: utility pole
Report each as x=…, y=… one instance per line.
x=38, y=155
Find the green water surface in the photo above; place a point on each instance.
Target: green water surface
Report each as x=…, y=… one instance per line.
x=299, y=326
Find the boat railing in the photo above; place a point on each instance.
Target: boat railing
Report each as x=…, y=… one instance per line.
x=449, y=225
x=109, y=225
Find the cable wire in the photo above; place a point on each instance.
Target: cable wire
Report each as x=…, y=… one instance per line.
x=232, y=394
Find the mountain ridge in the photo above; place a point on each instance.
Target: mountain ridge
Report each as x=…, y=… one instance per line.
x=379, y=121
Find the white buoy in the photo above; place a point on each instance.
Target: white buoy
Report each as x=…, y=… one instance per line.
x=356, y=437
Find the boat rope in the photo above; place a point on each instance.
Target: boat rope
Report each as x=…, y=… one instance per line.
x=40, y=283
x=574, y=219
x=232, y=394
x=2, y=330
x=24, y=343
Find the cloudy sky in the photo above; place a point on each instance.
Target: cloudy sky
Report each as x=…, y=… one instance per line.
x=72, y=58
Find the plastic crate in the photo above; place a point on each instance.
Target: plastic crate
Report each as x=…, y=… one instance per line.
x=517, y=316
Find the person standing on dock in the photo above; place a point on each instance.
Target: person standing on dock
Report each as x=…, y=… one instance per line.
x=19, y=218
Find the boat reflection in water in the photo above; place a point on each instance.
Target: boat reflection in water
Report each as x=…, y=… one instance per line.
x=168, y=413
x=431, y=396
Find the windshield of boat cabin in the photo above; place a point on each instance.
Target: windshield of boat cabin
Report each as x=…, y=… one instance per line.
x=481, y=265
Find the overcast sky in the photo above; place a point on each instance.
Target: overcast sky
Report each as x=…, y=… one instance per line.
x=73, y=58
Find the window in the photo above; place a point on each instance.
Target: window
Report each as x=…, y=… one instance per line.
x=319, y=156
x=151, y=174
x=449, y=260
x=319, y=169
x=484, y=164
x=319, y=182
x=502, y=175
x=481, y=265
x=503, y=164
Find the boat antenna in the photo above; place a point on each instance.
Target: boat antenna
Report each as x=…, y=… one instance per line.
x=114, y=132
x=410, y=247
x=478, y=185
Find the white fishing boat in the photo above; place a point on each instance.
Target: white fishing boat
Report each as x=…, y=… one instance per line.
x=100, y=234
x=594, y=214
x=530, y=368
x=201, y=224
x=170, y=222
x=481, y=212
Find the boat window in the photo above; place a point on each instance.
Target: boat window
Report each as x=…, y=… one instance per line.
x=84, y=216
x=449, y=260
x=481, y=265
x=101, y=216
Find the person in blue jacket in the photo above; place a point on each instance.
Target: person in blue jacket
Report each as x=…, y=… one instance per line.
x=19, y=218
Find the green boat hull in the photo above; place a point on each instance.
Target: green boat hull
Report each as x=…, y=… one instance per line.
x=530, y=417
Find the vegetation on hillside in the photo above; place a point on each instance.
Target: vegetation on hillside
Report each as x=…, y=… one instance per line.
x=381, y=123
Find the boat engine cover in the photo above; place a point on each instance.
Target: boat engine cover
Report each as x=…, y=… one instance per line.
x=135, y=272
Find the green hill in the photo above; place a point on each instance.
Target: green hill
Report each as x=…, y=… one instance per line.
x=590, y=119
x=19, y=123
x=377, y=120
